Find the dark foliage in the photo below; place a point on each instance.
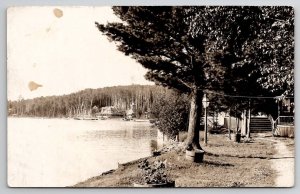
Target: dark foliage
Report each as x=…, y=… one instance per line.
x=198, y=50
x=172, y=110
x=154, y=173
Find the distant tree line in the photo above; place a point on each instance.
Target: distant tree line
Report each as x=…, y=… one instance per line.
x=87, y=101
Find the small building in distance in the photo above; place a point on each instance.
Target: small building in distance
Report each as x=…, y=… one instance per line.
x=130, y=113
x=111, y=111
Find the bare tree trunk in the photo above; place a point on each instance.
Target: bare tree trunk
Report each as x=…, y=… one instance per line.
x=193, y=138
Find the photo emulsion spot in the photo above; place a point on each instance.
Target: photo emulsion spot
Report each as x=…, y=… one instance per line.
x=150, y=96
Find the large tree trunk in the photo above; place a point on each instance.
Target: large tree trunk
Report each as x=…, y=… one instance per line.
x=193, y=137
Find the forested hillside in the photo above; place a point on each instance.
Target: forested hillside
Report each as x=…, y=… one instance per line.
x=88, y=100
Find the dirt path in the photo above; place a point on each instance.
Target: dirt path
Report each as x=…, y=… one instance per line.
x=284, y=163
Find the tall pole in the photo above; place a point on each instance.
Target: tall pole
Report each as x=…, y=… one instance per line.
x=278, y=108
x=246, y=122
x=249, y=120
x=205, y=113
x=205, y=127
x=229, y=128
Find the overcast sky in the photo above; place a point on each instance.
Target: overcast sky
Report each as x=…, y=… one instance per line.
x=64, y=52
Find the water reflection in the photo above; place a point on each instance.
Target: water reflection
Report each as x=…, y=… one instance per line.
x=135, y=133
x=58, y=152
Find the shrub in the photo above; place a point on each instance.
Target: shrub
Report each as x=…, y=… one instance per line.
x=153, y=173
x=172, y=110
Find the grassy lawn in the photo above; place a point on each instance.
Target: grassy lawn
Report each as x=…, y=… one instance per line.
x=226, y=164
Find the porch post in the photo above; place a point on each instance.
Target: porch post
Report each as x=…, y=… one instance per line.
x=249, y=120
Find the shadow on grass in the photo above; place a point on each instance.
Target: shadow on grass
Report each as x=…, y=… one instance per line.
x=236, y=156
x=247, y=142
x=216, y=163
x=281, y=157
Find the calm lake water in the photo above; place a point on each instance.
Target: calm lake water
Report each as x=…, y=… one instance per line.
x=61, y=152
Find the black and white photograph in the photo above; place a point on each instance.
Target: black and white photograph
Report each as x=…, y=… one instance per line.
x=150, y=96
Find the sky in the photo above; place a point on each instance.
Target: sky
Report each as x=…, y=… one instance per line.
x=61, y=50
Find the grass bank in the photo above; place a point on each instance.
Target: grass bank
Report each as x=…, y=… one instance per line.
x=226, y=164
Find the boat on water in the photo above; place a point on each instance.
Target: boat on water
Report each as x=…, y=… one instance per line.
x=85, y=118
x=126, y=119
x=141, y=120
x=103, y=117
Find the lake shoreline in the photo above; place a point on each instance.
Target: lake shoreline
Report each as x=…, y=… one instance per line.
x=109, y=172
x=232, y=165
x=35, y=146
x=74, y=118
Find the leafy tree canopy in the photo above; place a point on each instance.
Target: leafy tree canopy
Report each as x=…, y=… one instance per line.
x=188, y=47
x=212, y=48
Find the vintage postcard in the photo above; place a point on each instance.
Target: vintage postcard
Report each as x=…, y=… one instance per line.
x=150, y=96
